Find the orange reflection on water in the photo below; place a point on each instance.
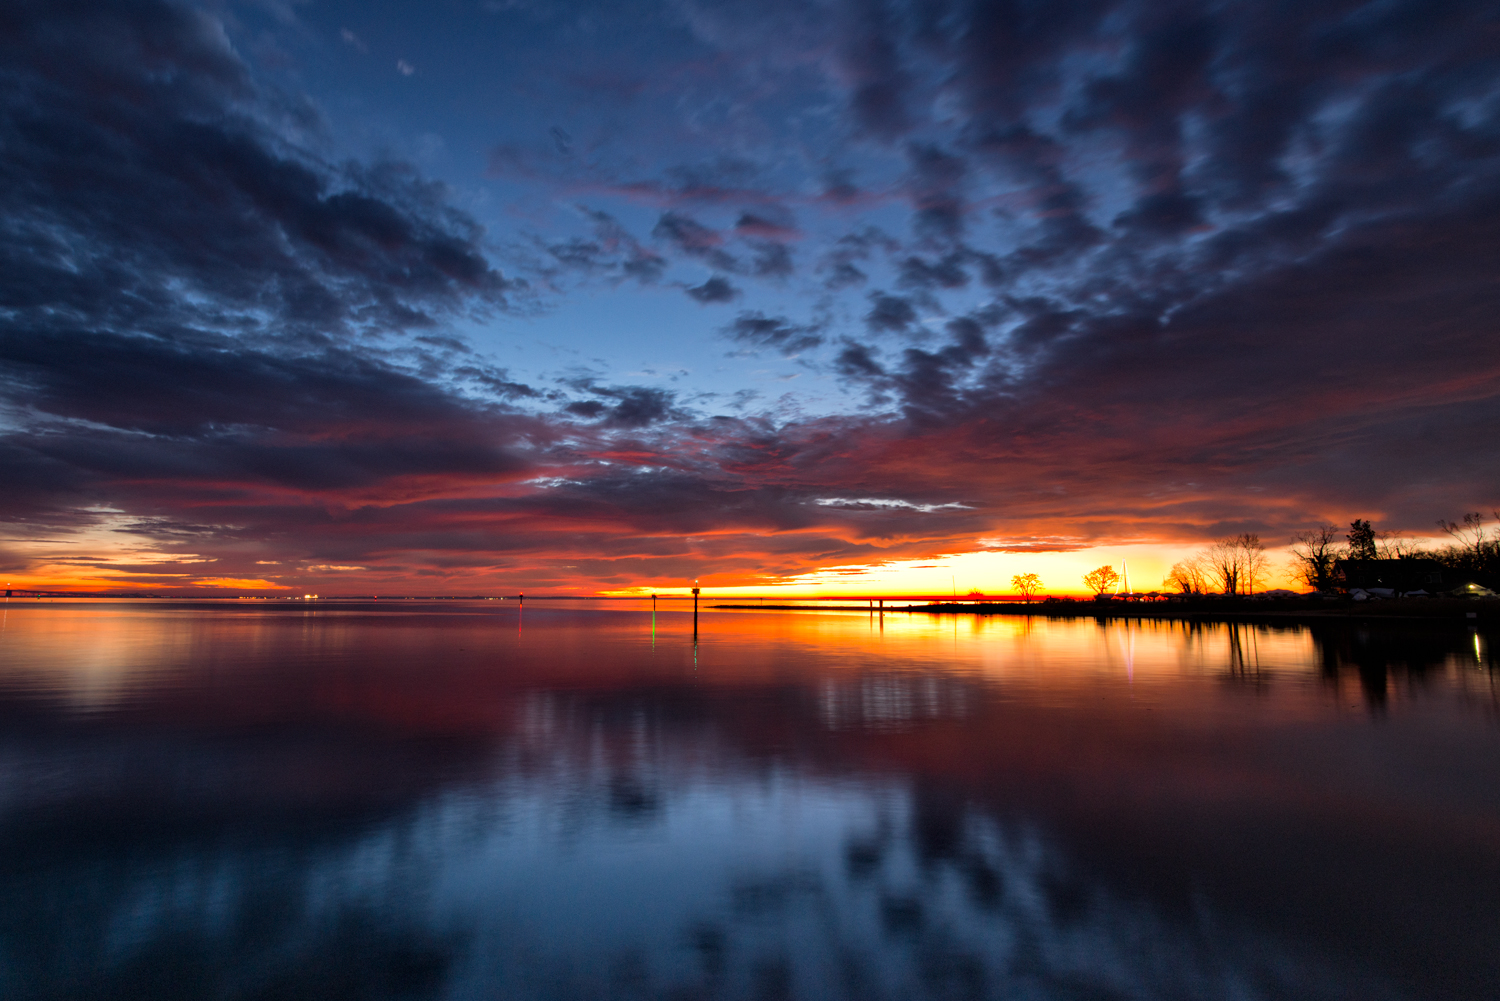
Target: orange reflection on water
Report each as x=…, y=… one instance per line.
x=96, y=654
x=1250, y=767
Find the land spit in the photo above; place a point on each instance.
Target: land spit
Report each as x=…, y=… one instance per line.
x=1287, y=610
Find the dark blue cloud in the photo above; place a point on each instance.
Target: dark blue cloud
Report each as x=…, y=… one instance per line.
x=624, y=406
x=890, y=313
x=716, y=289
x=756, y=330
x=143, y=187
x=689, y=237
x=610, y=250
x=1202, y=249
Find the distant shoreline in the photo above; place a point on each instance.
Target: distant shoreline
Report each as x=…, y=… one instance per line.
x=1453, y=610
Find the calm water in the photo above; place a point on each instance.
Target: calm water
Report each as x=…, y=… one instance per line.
x=424, y=800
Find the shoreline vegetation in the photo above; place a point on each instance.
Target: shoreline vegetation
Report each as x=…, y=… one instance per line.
x=1206, y=608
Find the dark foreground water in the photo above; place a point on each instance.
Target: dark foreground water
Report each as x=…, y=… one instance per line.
x=421, y=800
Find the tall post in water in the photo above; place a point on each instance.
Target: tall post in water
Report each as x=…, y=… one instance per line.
x=695, y=627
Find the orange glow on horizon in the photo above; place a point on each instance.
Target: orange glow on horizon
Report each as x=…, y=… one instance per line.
x=987, y=572
x=958, y=574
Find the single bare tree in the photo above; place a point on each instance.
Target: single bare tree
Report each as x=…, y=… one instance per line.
x=1101, y=580
x=1187, y=576
x=1026, y=584
x=1221, y=564
x=1313, y=555
x=1253, y=562
x=1235, y=565
x=1471, y=535
x=1395, y=546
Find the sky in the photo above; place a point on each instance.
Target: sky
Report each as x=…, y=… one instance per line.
x=862, y=296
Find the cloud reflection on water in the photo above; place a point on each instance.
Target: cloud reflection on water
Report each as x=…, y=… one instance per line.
x=270, y=807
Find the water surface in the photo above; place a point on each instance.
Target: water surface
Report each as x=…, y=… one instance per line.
x=464, y=800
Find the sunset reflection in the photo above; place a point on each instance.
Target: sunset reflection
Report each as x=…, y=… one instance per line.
x=824, y=804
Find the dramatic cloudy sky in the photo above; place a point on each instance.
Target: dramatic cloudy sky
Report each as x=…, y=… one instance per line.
x=484, y=295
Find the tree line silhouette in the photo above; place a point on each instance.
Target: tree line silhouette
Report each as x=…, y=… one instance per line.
x=1473, y=555
x=1236, y=565
x=1239, y=564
